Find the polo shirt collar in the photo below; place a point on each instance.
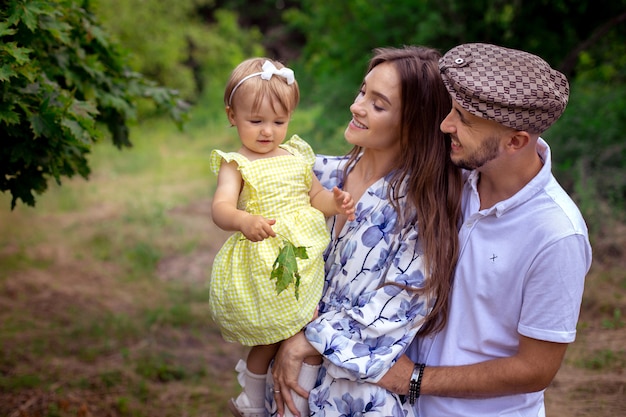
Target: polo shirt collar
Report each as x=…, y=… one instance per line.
x=535, y=185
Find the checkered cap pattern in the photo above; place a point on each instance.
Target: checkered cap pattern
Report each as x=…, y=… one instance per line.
x=514, y=88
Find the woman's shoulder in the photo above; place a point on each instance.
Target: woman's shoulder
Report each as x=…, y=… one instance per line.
x=329, y=170
x=327, y=162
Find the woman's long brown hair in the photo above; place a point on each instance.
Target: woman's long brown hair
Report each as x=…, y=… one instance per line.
x=433, y=182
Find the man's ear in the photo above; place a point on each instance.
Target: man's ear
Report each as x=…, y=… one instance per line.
x=231, y=115
x=518, y=140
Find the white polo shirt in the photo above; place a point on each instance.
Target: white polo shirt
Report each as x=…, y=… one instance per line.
x=521, y=271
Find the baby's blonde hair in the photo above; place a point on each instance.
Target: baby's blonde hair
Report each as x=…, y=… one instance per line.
x=276, y=89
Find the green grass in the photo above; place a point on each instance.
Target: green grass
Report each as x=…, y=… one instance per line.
x=604, y=359
x=88, y=324
x=103, y=301
x=615, y=322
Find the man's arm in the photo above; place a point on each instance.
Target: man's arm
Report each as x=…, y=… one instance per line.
x=531, y=369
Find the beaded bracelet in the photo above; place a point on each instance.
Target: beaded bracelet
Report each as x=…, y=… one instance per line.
x=416, y=382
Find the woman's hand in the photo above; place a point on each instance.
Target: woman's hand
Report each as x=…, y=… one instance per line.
x=286, y=368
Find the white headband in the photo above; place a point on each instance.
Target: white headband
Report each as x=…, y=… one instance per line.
x=268, y=70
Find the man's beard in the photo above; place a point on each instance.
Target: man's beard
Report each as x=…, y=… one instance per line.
x=488, y=151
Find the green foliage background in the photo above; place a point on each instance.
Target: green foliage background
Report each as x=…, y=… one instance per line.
x=102, y=285
x=60, y=78
x=190, y=46
x=330, y=43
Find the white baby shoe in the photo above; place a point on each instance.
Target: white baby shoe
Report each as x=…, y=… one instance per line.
x=242, y=411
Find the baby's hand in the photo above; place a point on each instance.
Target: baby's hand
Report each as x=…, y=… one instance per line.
x=344, y=203
x=256, y=228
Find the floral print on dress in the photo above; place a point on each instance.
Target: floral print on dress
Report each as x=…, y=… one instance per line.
x=371, y=307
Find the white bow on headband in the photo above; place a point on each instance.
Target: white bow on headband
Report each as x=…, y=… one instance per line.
x=268, y=71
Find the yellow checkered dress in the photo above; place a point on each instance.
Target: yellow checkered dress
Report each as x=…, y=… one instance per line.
x=242, y=299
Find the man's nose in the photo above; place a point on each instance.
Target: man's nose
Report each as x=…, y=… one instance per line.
x=446, y=125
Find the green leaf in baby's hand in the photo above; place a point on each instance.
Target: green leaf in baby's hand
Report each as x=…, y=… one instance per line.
x=285, y=268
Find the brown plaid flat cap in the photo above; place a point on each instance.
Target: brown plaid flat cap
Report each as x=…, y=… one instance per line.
x=511, y=87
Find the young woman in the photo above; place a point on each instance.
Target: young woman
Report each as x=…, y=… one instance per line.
x=388, y=272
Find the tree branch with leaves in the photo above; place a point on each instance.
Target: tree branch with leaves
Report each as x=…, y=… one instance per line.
x=63, y=86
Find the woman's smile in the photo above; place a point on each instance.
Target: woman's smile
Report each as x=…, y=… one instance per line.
x=358, y=124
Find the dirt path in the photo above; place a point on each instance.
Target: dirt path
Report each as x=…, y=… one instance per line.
x=591, y=383
x=577, y=391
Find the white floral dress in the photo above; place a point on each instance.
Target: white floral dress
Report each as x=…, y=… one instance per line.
x=364, y=326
